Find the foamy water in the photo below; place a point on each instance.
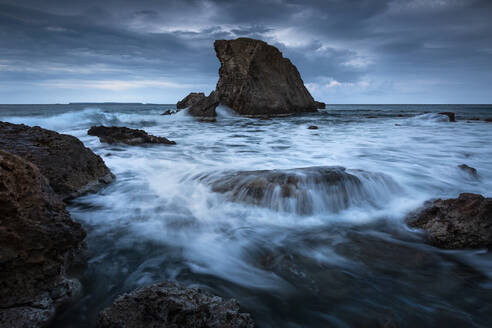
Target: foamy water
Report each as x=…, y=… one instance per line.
x=341, y=266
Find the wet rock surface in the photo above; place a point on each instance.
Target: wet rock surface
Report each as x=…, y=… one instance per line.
x=488, y=119
x=71, y=168
x=190, y=100
x=320, y=105
x=469, y=170
x=114, y=134
x=170, y=305
x=254, y=80
x=300, y=190
x=38, y=242
x=463, y=222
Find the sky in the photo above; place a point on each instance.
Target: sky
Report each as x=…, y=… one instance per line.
x=157, y=51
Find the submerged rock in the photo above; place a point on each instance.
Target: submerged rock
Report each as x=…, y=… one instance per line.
x=468, y=169
x=313, y=127
x=71, y=168
x=303, y=190
x=170, y=305
x=254, y=80
x=114, y=134
x=190, y=100
x=463, y=222
x=38, y=240
x=169, y=112
x=451, y=116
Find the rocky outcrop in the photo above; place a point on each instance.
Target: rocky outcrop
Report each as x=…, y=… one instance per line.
x=71, y=168
x=190, y=100
x=320, y=105
x=169, y=305
x=255, y=80
x=452, y=117
x=302, y=190
x=114, y=134
x=488, y=119
x=38, y=240
x=463, y=222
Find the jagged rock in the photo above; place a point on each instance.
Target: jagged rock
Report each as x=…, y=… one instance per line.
x=114, y=134
x=71, y=168
x=169, y=112
x=255, y=80
x=320, y=105
x=170, y=305
x=205, y=108
x=468, y=169
x=38, y=240
x=190, y=100
x=451, y=116
x=463, y=222
x=301, y=190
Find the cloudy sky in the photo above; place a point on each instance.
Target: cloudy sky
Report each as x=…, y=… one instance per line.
x=347, y=51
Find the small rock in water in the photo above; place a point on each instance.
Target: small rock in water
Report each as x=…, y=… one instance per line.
x=320, y=105
x=451, y=116
x=313, y=127
x=170, y=305
x=126, y=135
x=169, y=112
x=474, y=119
x=463, y=222
x=488, y=119
x=468, y=169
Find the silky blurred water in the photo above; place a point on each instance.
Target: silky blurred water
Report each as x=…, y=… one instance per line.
x=355, y=267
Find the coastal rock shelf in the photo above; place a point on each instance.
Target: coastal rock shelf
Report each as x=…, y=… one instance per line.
x=71, y=168
x=38, y=242
x=303, y=190
x=255, y=80
x=132, y=137
x=170, y=305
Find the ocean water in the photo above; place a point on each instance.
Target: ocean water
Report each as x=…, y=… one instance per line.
x=356, y=265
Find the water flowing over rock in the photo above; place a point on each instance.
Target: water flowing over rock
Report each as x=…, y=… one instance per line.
x=71, y=168
x=169, y=305
x=303, y=190
x=190, y=100
x=114, y=134
x=471, y=171
x=255, y=80
x=452, y=117
x=38, y=240
x=463, y=222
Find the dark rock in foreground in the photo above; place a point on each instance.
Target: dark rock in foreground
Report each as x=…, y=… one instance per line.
x=451, y=116
x=190, y=100
x=71, y=168
x=302, y=190
x=169, y=305
x=114, y=134
x=37, y=242
x=255, y=80
x=463, y=222
x=468, y=169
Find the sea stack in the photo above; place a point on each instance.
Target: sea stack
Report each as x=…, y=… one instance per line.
x=255, y=80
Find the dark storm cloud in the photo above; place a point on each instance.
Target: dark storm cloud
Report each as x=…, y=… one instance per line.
x=346, y=51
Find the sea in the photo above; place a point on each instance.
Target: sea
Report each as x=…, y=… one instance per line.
x=358, y=265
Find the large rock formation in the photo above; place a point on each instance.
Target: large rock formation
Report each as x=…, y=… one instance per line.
x=169, y=305
x=256, y=80
x=71, y=168
x=190, y=100
x=114, y=134
x=37, y=242
x=463, y=222
x=302, y=190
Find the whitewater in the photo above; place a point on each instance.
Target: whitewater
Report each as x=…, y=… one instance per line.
x=356, y=265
